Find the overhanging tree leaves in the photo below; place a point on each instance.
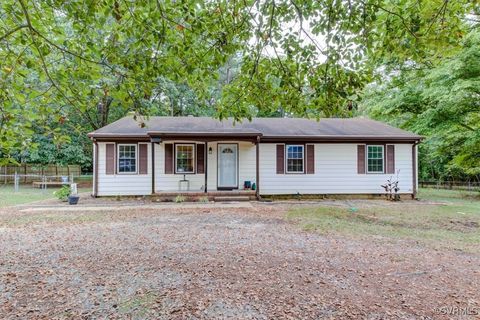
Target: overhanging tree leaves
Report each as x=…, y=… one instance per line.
x=72, y=59
x=442, y=103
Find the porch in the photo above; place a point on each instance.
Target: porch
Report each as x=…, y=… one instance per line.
x=195, y=167
x=220, y=195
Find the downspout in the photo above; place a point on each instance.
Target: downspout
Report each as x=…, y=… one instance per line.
x=414, y=169
x=95, y=169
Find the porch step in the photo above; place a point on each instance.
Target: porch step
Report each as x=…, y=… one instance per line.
x=231, y=198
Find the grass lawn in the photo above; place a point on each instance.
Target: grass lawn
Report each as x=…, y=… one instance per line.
x=26, y=194
x=443, y=219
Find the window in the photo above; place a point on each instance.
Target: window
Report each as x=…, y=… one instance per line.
x=127, y=158
x=294, y=158
x=375, y=159
x=184, y=158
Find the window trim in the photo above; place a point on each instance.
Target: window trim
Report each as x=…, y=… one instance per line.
x=194, y=158
x=383, y=159
x=118, y=158
x=286, y=159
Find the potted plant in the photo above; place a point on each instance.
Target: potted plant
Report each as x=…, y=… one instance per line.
x=65, y=194
x=73, y=199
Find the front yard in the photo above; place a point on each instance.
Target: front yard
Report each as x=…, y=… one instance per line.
x=442, y=219
x=334, y=259
x=26, y=194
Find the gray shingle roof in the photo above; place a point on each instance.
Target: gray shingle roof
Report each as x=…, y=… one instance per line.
x=328, y=128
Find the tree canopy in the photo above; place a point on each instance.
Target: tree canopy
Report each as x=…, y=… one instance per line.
x=70, y=65
x=443, y=104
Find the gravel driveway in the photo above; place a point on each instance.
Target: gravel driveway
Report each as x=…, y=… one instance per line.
x=241, y=263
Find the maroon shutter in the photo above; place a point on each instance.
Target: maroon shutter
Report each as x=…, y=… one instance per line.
x=168, y=158
x=390, y=158
x=110, y=158
x=280, y=158
x=143, y=158
x=361, y=158
x=310, y=159
x=200, y=158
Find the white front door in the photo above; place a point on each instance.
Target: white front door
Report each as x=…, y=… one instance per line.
x=227, y=165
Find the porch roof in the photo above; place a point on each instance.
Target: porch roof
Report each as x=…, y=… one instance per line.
x=268, y=129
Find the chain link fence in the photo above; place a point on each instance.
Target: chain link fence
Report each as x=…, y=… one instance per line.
x=41, y=178
x=451, y=185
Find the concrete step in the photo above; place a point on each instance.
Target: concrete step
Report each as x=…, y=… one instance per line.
x=231, y=198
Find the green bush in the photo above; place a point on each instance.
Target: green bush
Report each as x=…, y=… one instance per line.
x=63, y=193
x=179, y=199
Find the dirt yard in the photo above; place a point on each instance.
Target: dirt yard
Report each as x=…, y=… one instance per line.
x=220, y=262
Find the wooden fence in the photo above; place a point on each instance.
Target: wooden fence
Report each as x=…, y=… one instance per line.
x=30, y=172
x=452, y=185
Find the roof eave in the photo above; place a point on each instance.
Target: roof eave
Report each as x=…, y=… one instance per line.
x=343, y=138
x=310, y=138
x=204, y=134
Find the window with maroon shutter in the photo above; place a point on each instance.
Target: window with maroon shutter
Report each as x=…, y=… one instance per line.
x=200, y=158
x=361, y=159
x=390, y=158
x=280, y=158
x=310, y=158
x=143, y=158
x=110, y=158
x=168, y=158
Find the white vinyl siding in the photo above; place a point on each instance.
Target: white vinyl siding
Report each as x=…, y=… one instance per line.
x=169, y=182
x=335, y=172
x=122, y=184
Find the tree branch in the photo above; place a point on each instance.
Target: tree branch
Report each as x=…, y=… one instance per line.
x=397, y=15
x=44, y=65
x=6, y=35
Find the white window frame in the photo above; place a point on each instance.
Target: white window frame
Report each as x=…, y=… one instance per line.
x=118, y=157
x=383, y=158
x=193, y=145
x=286, y=158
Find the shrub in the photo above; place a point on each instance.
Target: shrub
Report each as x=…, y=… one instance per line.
x=203, y=199
x=63, y=193
x=179, y=199
x=391, y=188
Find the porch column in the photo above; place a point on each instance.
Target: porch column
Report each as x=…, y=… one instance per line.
x=206, y=164
x=154, y=141
x=153, y=166
x=257, y=163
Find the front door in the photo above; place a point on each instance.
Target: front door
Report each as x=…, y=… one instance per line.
x=227, y=166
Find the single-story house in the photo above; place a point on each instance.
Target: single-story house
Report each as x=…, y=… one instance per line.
x=264, y=156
